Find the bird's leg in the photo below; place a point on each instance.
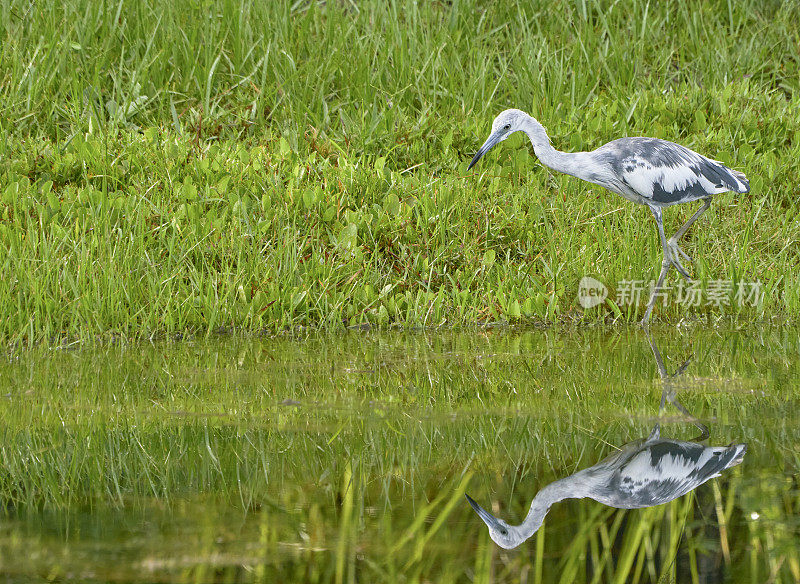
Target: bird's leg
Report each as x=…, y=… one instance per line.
x=685, y=227
x=674, y=250
x=662, y=371
x=670, y=252
x=677, y=263
x=704, y=433
x=668, y=391
x=673, y=241
x=677, y=248
x=679, y=371
x=668, y=395
x=666, y=263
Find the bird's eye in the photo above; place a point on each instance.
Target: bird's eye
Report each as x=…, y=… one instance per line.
x=507, y=127
x=504, y=532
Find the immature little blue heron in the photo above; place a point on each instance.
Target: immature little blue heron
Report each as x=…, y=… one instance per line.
x=642, y=474
x=648, y=171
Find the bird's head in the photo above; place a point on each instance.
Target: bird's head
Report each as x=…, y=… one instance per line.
x=506, y=123
x=505, y=535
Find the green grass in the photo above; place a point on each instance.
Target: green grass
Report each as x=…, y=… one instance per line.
x=268, y=166
x=337, y=458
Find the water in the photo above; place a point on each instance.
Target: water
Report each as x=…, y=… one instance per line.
x=346, y=458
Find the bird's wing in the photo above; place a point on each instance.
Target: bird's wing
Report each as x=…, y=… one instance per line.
x=619, y=457
x=666, y=469
x=667, y=173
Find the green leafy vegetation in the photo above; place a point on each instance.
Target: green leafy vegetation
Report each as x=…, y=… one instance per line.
x=265, y=166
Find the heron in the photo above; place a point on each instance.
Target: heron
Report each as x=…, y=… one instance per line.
x=647, y=171
x=644, y=473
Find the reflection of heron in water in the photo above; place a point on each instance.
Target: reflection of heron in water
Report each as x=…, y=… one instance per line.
x=643, y=473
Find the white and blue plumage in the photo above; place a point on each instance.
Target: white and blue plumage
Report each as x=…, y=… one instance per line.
x=662, y=173
x=648, y=171
x=644, y=473
x=657, y=470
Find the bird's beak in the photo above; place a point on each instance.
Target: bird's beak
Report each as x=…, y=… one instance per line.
x=488, y=145
x=487, y=517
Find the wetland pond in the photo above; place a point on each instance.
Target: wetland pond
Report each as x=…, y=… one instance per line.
x=346, y=458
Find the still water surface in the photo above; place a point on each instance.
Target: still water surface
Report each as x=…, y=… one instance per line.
x=346, y=458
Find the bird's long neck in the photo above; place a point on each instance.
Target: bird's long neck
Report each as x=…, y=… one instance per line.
x=572, y=163
x=571, y=487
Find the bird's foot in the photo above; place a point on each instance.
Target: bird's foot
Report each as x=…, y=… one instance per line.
x=675, y=247
x=681, y=270
x=675, y=253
